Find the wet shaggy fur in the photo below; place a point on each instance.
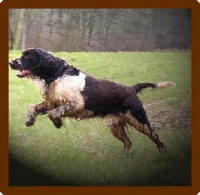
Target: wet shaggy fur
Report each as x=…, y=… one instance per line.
x=70, y=92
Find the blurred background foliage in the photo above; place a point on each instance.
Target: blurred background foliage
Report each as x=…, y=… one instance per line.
x=99, y=29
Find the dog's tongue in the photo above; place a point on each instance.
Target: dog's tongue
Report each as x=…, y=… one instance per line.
x=23, y=73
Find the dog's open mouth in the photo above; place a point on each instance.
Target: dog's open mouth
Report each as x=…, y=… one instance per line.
x=24, y=73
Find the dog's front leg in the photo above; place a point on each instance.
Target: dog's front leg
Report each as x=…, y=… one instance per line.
x=56, y=114
x=35, y=110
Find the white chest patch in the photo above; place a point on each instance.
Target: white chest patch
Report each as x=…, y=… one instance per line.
x=67, y=89
x=76, y=82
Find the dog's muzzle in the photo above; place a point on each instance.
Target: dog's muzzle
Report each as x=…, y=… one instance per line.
x=15, y=64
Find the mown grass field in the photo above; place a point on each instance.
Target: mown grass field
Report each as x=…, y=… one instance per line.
x=85, y=152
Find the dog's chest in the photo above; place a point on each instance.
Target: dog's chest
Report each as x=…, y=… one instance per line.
x=67, y=90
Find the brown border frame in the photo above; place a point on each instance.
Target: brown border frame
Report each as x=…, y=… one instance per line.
x=6, y=4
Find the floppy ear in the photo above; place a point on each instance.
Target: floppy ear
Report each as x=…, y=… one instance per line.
x=50, y=64
x=41, y=55
x=46, y=59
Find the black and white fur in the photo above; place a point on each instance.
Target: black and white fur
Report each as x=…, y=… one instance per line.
x=70, y=92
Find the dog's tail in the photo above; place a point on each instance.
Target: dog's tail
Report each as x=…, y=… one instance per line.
x=138, y=87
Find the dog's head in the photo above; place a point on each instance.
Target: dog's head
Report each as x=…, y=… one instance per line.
x=38, y=63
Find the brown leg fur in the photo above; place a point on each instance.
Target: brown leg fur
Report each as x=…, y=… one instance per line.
x=145, y=129
x=56, y=114
x=117, y=126
x=33, y=111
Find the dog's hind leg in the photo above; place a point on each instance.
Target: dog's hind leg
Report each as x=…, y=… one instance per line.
x=147, y=130
x=56, y=114
x=137, y=118
x=118, y=130
x=35, y=110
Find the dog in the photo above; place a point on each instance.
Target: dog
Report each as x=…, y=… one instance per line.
x=70, y=92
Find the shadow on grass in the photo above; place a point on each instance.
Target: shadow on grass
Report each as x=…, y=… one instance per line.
x=171, y=175
x=22, y=175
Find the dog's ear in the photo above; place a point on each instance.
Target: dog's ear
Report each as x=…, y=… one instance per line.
x=41, y=55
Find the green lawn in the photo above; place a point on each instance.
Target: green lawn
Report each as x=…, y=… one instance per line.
x=85, y=152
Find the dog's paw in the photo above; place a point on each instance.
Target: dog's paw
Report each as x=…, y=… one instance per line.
x=163, y=147
x=58, y=123
x=29, y=123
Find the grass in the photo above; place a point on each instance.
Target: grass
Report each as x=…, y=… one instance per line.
x=85, y=152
